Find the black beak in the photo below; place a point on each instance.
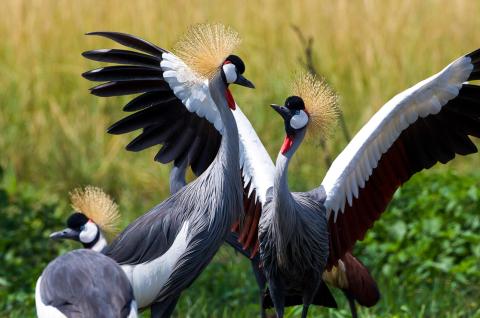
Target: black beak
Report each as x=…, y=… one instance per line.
x=282, y=110
x=243, y=81
x=65, y=234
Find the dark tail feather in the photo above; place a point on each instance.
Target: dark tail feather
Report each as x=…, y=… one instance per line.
x=361, y=285
x=323, y=298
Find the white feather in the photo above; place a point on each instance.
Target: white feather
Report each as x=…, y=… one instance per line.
x=192, y=90
x=348, y=191
x=255, y=162
x=44, y=311
x=133, y=310
x=147, y=279
x=355, y=185
x=426, y=97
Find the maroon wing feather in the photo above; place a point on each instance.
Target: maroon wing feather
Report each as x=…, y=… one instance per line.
x=435, y=138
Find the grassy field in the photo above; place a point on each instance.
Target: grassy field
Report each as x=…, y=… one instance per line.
x=53, y=132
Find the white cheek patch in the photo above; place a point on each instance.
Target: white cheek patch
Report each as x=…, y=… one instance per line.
x=230, y=72
x=88, y=234
x=299, y=120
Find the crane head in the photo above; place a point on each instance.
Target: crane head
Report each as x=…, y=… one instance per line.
x=231, y=72
x=295, y=117
x=79, y=228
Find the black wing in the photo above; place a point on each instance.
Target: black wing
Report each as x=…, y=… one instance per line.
x=159, y=113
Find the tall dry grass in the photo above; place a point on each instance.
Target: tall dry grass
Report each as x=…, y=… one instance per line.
x=53, y=131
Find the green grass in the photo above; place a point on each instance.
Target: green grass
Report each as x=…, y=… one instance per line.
x=53, y=132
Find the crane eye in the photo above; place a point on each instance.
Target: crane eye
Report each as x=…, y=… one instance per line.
x=299, y=120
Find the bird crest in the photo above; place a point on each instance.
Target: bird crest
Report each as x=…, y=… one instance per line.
x=204, y=47
x=321, y=103
x=97, y=206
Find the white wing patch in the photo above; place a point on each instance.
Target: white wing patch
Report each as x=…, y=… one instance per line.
x=353, y=167
x=190, y=89
x=258, y=167
x=45, y=311
x=147, y=279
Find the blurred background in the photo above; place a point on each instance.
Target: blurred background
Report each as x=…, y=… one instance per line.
x=424, y=252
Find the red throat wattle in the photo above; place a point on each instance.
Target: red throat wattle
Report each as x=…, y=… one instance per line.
x=230, y=100
x=287, y=144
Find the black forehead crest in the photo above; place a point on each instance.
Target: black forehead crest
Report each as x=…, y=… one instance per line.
x=76, y=220
x=295, y=103
x=235, y=60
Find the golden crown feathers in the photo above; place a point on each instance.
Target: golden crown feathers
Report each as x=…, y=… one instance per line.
x=97, y=206
x=321, y=103
x=204, y=47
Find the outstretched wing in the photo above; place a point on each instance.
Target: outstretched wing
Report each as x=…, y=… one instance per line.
x=257, y=174
x=174, y=108
x=428, y=123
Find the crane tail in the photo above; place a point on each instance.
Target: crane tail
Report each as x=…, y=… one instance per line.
x=361, y=285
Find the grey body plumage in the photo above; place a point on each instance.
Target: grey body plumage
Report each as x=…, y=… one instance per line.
x=210, y=204
x=293, y=236
x=85, y=283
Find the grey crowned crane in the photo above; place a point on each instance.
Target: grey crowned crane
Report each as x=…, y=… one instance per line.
x=351, y=276
x=84, y=282
x=302, y=233
x=186, y=106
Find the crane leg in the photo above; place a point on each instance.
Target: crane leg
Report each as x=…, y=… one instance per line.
x=232, y=240
x=305, y=310
x=165, y=308
x=351, y=302
x=261, y=282
x=308, y=296
x=277, y=292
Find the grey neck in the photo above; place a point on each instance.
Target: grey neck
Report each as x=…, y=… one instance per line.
x=224, y=172
x=228, y=154
x=284, y=216
x=281, y=192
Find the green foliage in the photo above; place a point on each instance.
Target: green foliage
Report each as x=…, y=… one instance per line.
x=424, y=252
x=428, y=243
x=24, y=246
x=431, y=229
